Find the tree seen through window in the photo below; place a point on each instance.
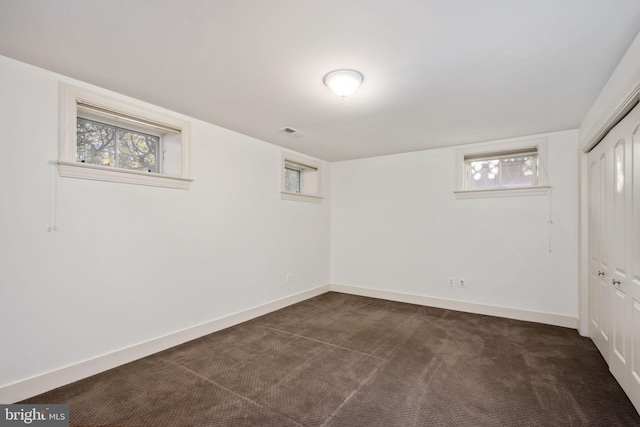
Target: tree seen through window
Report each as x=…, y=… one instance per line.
x=108, y=145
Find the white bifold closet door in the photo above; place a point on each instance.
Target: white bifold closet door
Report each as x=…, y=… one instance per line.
x=614, y=251
x=598, y=255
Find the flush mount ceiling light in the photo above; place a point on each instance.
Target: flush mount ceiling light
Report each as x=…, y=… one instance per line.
x=343, y=82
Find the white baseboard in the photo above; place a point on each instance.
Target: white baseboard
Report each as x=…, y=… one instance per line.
x=469, y=307
x=39, y=384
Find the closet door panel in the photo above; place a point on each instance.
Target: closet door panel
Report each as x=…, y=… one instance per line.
x=634, y=243
x=594, y=264
x=603, y=248
x=598, y=287
x=635, y=351
x=633, y=276
x=617, y=187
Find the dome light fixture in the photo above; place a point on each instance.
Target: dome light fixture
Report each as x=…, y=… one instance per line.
x=343, y=82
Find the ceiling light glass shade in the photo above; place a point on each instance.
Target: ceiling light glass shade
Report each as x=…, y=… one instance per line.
x=343, y=82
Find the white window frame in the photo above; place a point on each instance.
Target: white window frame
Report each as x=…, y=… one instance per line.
x=462, y=191
x=309, y=168
x=68, y=166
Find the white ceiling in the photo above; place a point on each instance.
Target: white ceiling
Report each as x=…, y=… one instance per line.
x=437, y=72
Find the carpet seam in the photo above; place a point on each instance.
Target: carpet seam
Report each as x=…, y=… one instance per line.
x=367, y=381
x=235, y=393
x=326, y=343
x=298, y=368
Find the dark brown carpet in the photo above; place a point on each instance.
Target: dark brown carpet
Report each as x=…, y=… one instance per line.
x=344, y=360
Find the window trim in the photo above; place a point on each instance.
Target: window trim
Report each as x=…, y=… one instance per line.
x=301, y=163
x=69, y=99
x=538, y=144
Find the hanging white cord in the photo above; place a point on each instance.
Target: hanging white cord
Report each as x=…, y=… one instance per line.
x=53, y=197
x=550, y=221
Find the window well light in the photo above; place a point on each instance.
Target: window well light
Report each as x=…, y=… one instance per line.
x=343, y=82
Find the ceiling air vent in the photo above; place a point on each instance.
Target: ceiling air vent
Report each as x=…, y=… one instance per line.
x=291, y=131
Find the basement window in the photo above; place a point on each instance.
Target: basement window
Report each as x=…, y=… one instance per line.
x=292, y=179
x=103, y=144
x=300, y=179
x=499, y=170
x=103, y=138
x=502, y=170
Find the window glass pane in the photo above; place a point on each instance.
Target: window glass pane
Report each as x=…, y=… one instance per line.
x=506, y=171
x=137, y=151
x=96, y=143
x=517, y=171
x=484, y=174
x=291, y=180
x=108, y=145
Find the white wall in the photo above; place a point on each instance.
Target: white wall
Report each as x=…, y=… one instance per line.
x=131, y=263
x=396, y=226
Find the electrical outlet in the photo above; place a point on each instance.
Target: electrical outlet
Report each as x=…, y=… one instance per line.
x=463, y=282
x=289, y=280
x=452, y=281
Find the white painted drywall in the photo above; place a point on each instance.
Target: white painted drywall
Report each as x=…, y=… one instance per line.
x=625, y=70
x=132, y=263
x=396, y=226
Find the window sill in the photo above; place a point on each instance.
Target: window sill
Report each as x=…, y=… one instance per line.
x=285, y=195
x=539, y=190
x=104, y=173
